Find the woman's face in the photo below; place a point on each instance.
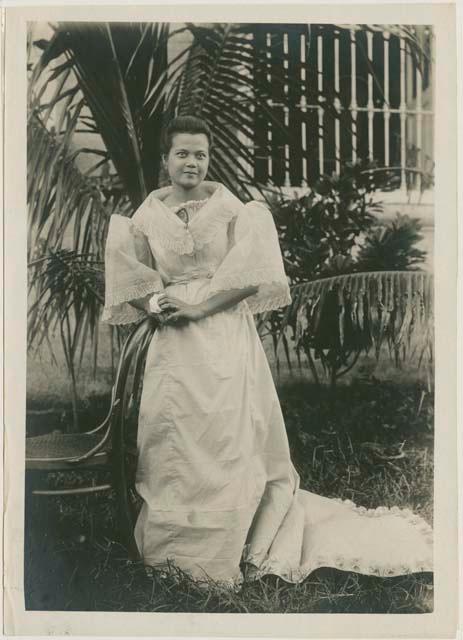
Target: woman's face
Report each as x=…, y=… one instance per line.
x=188, y=159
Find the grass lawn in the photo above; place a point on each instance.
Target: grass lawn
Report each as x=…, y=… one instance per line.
x=371, y=442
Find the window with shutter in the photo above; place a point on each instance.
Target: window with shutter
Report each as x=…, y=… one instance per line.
x=342, y=93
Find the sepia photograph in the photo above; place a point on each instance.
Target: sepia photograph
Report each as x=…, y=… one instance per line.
x=230, y=384
x=206, y=201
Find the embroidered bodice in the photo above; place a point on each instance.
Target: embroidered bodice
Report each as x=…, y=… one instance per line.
x=220, y=239
x=186, y=245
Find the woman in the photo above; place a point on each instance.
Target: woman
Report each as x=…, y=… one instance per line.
x=215, y=474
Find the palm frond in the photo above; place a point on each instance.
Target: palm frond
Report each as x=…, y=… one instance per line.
x=344, y=315
x=60, y=198
x=66, y=284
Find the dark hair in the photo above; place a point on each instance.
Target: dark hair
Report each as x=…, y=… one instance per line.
x=184, y=124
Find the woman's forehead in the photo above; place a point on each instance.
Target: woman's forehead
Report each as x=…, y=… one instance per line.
x=190, y=141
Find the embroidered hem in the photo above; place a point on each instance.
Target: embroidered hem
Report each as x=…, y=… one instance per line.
x=132, y=292
x=117, y=309
x=126, y=315
x=279, y=297
x=257, y=568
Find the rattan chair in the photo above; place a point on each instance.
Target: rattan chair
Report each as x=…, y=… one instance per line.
x=111, y=446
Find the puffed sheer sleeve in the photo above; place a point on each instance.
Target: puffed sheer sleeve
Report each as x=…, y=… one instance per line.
x=254, y=258
x=129, y=271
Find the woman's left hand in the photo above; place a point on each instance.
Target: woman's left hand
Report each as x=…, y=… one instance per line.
x=178, y=311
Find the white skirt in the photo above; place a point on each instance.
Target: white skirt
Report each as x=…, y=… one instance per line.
x=216, y=477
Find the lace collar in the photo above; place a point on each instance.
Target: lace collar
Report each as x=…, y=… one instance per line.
x=193, y=205
x=159, y=222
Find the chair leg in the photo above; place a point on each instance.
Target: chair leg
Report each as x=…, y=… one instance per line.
x=124, y=511
x=126, y=526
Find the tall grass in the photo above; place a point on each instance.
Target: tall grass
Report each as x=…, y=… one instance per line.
x=373, y=444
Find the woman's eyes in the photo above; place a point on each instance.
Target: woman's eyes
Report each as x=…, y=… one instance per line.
x=183, y=154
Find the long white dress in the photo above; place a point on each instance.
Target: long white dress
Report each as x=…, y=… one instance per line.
x=214, y=470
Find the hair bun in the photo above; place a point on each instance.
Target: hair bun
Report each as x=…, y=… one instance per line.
x=184, y=124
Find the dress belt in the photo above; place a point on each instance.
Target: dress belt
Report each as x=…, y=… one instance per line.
x=184, y=278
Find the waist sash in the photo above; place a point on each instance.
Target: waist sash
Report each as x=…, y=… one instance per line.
x=184, y=278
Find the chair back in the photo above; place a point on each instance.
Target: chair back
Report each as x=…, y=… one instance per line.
x=129, y=383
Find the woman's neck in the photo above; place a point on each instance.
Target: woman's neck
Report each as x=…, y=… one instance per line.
x=178, y=195
x=171, y=197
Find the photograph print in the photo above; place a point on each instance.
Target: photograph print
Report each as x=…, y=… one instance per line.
x=230, y=375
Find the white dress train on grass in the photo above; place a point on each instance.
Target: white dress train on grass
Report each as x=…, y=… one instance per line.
x=214, y=470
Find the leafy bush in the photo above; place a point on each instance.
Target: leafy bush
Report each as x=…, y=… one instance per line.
x=319, y=231
x=333, y=229
x=391, y=247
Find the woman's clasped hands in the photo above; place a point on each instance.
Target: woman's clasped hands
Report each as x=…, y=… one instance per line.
x=174, y=311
